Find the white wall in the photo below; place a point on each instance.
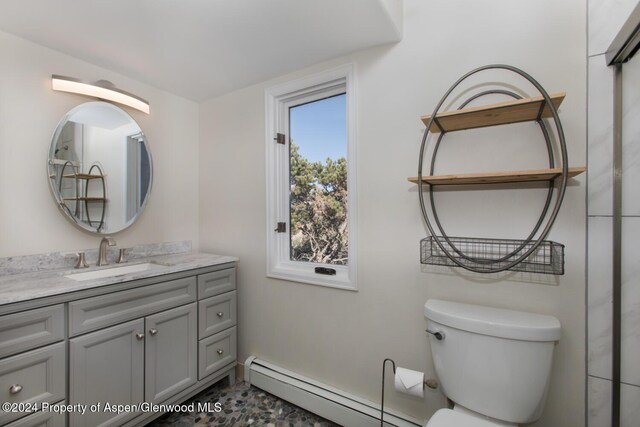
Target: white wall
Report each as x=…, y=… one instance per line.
x=341, y=337
x=29, y=113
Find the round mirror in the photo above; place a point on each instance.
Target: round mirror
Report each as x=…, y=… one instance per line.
x=100, y=168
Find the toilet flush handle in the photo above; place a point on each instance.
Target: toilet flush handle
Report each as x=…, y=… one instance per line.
x=437, y=334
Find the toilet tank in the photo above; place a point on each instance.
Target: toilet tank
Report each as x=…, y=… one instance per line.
x=493, y=361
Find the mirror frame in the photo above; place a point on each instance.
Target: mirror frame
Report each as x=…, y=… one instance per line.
x=57, y=197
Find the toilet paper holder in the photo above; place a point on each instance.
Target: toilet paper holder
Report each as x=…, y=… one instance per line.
x=430, y=383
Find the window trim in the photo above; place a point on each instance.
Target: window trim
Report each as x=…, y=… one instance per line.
x=277, y=101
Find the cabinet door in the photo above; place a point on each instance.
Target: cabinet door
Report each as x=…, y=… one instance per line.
x=107, y=366
x=171, y=353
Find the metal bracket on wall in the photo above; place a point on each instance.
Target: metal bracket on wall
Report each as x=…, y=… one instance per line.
x=280, y=138
x=281, y=227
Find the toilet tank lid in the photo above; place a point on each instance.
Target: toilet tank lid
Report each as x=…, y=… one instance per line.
x=497, y=322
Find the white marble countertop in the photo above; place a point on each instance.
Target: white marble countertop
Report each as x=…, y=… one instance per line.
x=23, y=287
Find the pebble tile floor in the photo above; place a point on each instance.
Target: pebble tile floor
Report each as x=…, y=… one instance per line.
x=243, y=405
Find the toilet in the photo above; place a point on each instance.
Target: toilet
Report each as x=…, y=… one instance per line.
x=494, y=364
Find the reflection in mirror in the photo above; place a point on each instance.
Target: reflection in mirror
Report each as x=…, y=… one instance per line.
x=100, y=168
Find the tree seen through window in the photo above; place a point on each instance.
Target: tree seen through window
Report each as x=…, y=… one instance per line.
x=318, y=188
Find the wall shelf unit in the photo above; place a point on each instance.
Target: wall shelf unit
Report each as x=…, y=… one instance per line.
x=81, y=192
x=534, y=175
x=87, y=199
x=82, y=176
x=502, y=113
x=547, y=259
x=484, y=255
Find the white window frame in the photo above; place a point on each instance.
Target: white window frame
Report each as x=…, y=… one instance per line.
x=278, y=99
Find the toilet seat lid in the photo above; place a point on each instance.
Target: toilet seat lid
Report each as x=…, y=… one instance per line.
x=450, y=418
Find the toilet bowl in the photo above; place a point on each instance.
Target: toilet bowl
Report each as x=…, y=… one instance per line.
x=494, y=364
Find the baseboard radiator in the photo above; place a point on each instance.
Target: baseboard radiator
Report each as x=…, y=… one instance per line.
x=323, y=400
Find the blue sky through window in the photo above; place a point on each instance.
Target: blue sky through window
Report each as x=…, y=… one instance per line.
x=319, y=128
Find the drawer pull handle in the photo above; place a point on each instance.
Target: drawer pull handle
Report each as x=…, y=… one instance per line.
x=220, y=351
x=140, y=337
x=15, y=389
x=219, y=314
x=153, y=331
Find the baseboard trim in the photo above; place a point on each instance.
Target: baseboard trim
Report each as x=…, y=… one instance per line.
x=321, y=399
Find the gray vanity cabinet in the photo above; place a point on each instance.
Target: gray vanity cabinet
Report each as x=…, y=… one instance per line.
x=157, y=340
x=107, y=366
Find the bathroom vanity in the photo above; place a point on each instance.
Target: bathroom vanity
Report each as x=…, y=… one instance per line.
x=109, y=345
x=158, y=333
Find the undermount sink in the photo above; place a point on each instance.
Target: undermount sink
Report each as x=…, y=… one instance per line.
x=111, y=272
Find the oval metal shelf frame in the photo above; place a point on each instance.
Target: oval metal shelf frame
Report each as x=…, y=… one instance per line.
x=62, y=203
x=561, y=191
x=547, y=204
x=104, y=196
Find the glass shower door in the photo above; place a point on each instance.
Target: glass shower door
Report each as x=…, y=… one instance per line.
x=630, y=253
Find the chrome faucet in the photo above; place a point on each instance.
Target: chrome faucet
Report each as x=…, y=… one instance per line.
x=102, y=252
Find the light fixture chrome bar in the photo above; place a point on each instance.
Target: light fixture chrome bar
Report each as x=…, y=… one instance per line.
x=102, y=90
x=627, y=41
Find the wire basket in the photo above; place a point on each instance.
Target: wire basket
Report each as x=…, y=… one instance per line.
x=491, y=254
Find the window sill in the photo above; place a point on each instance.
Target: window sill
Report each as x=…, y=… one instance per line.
x=340, y=281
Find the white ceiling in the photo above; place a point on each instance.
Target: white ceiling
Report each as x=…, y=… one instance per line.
x=203, y=48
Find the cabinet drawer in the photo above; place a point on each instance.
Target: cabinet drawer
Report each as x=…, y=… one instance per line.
x=216, y=314
x=30, y=329
x=218, y=282
x=41, y=419
x=98, y=312
x=216, y=352
x=35, y=376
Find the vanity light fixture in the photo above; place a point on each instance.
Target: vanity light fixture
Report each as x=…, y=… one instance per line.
x=102, y=89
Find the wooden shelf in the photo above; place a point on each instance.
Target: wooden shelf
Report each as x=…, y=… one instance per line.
x=81, y=176
x=516, y=111
x=498, y=177
x=87, y=199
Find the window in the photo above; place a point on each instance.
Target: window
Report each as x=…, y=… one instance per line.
x=311, y=207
